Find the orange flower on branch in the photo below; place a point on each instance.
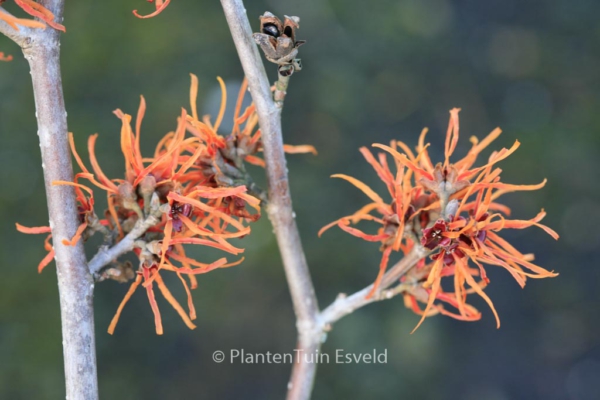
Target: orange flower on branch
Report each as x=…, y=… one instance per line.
x=391, y=215
x=194, y=190
x=449, y=209
x=161, y=188
x=243, y=143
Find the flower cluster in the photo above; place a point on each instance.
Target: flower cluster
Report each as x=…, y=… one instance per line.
x=194, y=190
x=450, y=212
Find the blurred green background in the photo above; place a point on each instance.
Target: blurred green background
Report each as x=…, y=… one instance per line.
x=373, y=71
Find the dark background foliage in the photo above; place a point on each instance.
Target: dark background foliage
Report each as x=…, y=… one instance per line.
x=373, y=71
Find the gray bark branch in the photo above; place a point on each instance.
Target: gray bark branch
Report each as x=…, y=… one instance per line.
x=280, y=203
x=41, y=48
x=106, y=255
x=345, y=305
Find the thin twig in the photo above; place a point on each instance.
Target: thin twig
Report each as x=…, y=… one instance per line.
x=280, y=204
x=282, y=84
x=106, y=255
x=345, y=305
x=76, y=286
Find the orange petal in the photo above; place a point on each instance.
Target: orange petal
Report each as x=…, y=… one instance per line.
x=206, y=208
x=75, y=237
x=15, y=22
x=364, y=188
x=358, y=233
x=255, y=161
x=460, y=264
x=33, y=230
x=168, y=231
x=451, y=134
x=225, y=246
x=238, y=105
x=96, y=167
x=152, y=300
x=205, y=232
x=299, y=149
x=138, y=127
x=37, y=10
x=382, y=267
x=494, y=158
x=194, y=96
x=174, y=303
x=471, y=156
x=436, y=283
x=404, y=160
x=45, y=261
x=189, y=297
x=115, y=320
x=522, y=224
x=422, y=149
x=384, y=173
x=223, y=104
x=4, y=57
x=159, y=8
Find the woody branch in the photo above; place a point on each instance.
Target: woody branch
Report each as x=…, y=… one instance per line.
x=310, y=323
x=345, y=305
x=106, y=255
x=41, y=48
x=280, y=204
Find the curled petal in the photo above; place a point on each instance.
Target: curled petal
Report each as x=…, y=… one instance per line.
x=33, y=230
x=358, y=233
x=522, y=224
x=75, y=237
x=475, y=286
x=451, y=135
x=14, y=22
x=218, y=244
x=45, y=261
x=96, y=167
x=115, y=320
x=174, y=303
x=152, y=300
x=364, y=188
x=382, y=267
x=436, y=281
x=191, y=308
x=223, y=104
x=160, y=6
x=384, y=173
x=404, y=160
x=37, y=10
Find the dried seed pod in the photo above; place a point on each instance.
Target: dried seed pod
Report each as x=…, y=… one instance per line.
x=278, y=39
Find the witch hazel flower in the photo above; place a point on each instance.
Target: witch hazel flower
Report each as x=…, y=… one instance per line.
x=451, y=211
x=193, y=190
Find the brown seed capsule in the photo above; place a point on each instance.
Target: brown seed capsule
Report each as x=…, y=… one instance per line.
x=278, y=39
